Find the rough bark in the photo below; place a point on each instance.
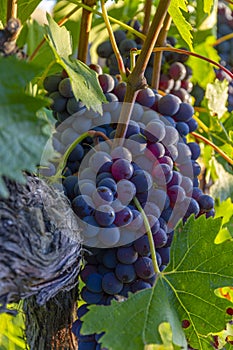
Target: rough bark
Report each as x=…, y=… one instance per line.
x=40, y=261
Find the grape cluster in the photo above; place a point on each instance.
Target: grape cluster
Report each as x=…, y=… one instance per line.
x=8, y=45
x=154, y=164
x=175, y=75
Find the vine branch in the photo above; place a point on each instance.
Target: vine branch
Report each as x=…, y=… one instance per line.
x=12, y=7
x=147, y=13
x=86, y=21
x=136, y=79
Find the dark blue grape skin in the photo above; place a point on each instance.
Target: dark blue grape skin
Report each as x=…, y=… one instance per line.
x=142, y=181
x=59, y=101
x=164, y=253
x=76, y=154
x=125, y=273
x=51, y=82
x=83, y=206
x=123, y=217
x=195, y=150
x=109, y=183
x=192, y=125
x=102, y=176
x=139, y=285
x=65, y=88
x=146, y=97
x=206, y=203
x=154, y=131
x=94, y=283
x=144, y=267
x=193, y=208
x=86, y=271
x=126, y=45
x=182, y=128
x=156, y=150
x=82, y=310
x=160, y=238
x=90, y=297
x=122, y=169
x=69, y=185
x=110, y=284
x=169, y=105
x=104, y=215
x=104, y=49
x=82, y=345
x=102, y=195
x=127, y=255
x=142, y=246
x=106, y=82
x=196, y=168
x=110, y=258
x=184, y=113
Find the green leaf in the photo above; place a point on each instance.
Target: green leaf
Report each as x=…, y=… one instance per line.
x=223, y=187
x=203, y=71
x=225, y=211
x=25, y=8
x=217, y=96
x=183, y=291
x=83, y=79
x=166, y=336
x=21, y=132
x=175, y=10
x=3, y=12
x=208, y=4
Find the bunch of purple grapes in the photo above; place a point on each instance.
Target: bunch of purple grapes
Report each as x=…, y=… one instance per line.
x=154, y=169
x=8, y=34
x=175, y=75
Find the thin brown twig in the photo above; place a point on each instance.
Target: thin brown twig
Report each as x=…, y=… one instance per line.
x=147, y=14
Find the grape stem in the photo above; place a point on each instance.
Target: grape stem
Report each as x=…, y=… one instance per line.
x=85, y=28
x=116, y=51
x=136, y=79
x=12, y=7
x=147, y=13
x=161, y=41
x=222, y=39
x=216, y=148
x=149, y=235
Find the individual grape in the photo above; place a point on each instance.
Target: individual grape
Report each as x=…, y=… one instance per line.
x=123, y=217
x=110, y=258
x=144, y=267
x=119, y=35
x=160, y=238
x=192, y=125
x=65, y=88
x=126, y=191
x=80, y=123
x=102, y=176
x=90, y=227
x=83, y=206
x=127, y=255
x=106, y=82
x=154, y=131
x=109, y=183
x=102, y=195
x=196, y=193
x=142, y=246
x=136, y=143
x=94, y=283
x=195, y=150
x=104, y=49
x=126, y=45
x=104, y=215
x=120, y=91
x=142, y=181
x=205, y=202
x=132, y=129
x=111, y=284
x=125, y=273
x=146, y=97
x=86, y=187
x=98, y=159
x=83, y=345
x=155, y=150
x=109, y=236
x=169, y=105
x=121, y=152
x=96, y=67
x=137, y=221
x=139, y=285
x=171, y=135
x=82, y=310
x=76, y=154
x=90, y=297
x=73, y=105
x=122, y=169
x=153, y=222
x=69, y=184
x=86, y=271
x=162, y=174
x=196, y=168
x=192, y=208
x=177, y=71
x=59, y=101
x=184, y=113
x=182, y=128
x=112, y=105
x=166, y=83
x=51, y=82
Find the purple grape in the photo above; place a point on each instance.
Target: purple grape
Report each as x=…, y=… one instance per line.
x=111, y=284
x=104, y=215
x=122, y=169
x=127, y=255
x=94, y=283
x=125, y=273
x=144, y=267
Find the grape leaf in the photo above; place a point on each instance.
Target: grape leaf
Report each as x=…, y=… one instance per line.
x=22, y=133
x=180, y=22
x=208, y=4
x=183, y=291
x=25, y=8
x=217, y=96
x=225, y=210
x=166, y=336
x=223, y=187
x=3, y=12
x=84, y=80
